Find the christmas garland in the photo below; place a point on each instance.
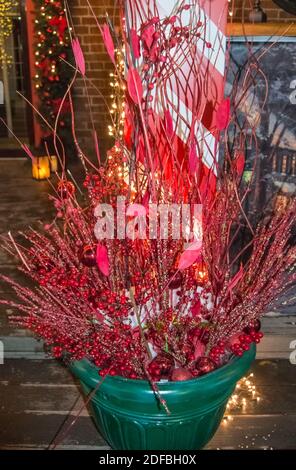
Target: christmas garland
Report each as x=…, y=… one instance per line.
x=6, y=26
x=53, y=74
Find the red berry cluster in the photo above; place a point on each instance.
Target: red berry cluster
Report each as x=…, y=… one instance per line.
x=62, y=278
x=115, y=350
x=244, y=341
x=108, y=182
x=217, y=351
x=113, y=304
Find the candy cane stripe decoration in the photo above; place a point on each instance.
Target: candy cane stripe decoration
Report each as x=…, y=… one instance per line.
x=193, y=89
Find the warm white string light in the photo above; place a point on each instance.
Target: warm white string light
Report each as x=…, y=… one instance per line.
x=245, y=391
x=6, y=28
x=117, y=108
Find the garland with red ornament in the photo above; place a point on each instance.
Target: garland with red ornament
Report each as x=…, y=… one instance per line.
x=53, y=74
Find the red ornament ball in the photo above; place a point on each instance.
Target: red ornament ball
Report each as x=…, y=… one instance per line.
x=66, y=189
x=204, y=365
x=88, y=256
x=255, y=325
x=180, y=374
x=161, y=365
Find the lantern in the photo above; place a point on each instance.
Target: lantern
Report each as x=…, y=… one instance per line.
x=40, y=168
x=201, y=273
x=53, y=163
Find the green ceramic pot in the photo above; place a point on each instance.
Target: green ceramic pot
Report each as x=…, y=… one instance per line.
x=129, y=417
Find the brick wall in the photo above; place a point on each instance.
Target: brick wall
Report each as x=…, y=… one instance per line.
x=274, y=13
x=99, y=65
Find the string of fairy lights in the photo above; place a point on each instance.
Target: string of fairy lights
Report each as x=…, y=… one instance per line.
x=230, y=11
x=118, y=87
x=245, y=392
x=39, y=44
x=6, y=28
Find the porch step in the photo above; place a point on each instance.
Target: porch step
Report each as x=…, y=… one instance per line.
x=39, y=399
x=279, y=336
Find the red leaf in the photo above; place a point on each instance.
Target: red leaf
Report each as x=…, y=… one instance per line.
x=108, y=41
x=147, y=36
x=140, y=151
x=240, y=163
x=134, y=85
x=223, y=115
x=103, y=260
x=135, y=43
x=193, y=159
x=78, y=55
x=169, y=126
x=190, y=255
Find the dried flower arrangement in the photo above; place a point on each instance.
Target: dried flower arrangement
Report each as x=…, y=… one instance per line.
x=147, y=306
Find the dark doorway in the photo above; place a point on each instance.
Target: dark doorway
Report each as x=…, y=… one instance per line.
x=14, y=77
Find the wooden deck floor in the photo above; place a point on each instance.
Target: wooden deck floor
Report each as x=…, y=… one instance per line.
x=39, y=397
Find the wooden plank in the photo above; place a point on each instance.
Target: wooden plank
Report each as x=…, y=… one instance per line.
x=261, y=29
x=25, y=371
x=279, y=324
x=39, y=430
x=274, y=400
x=274, y=372
x=60, y=447
x=256, y=432
x=21, y=345
x=276, y=345
x=39, y=400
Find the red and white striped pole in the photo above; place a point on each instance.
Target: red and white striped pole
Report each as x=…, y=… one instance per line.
x=211, y=58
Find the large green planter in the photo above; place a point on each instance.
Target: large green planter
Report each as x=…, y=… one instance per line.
x=128, y=415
